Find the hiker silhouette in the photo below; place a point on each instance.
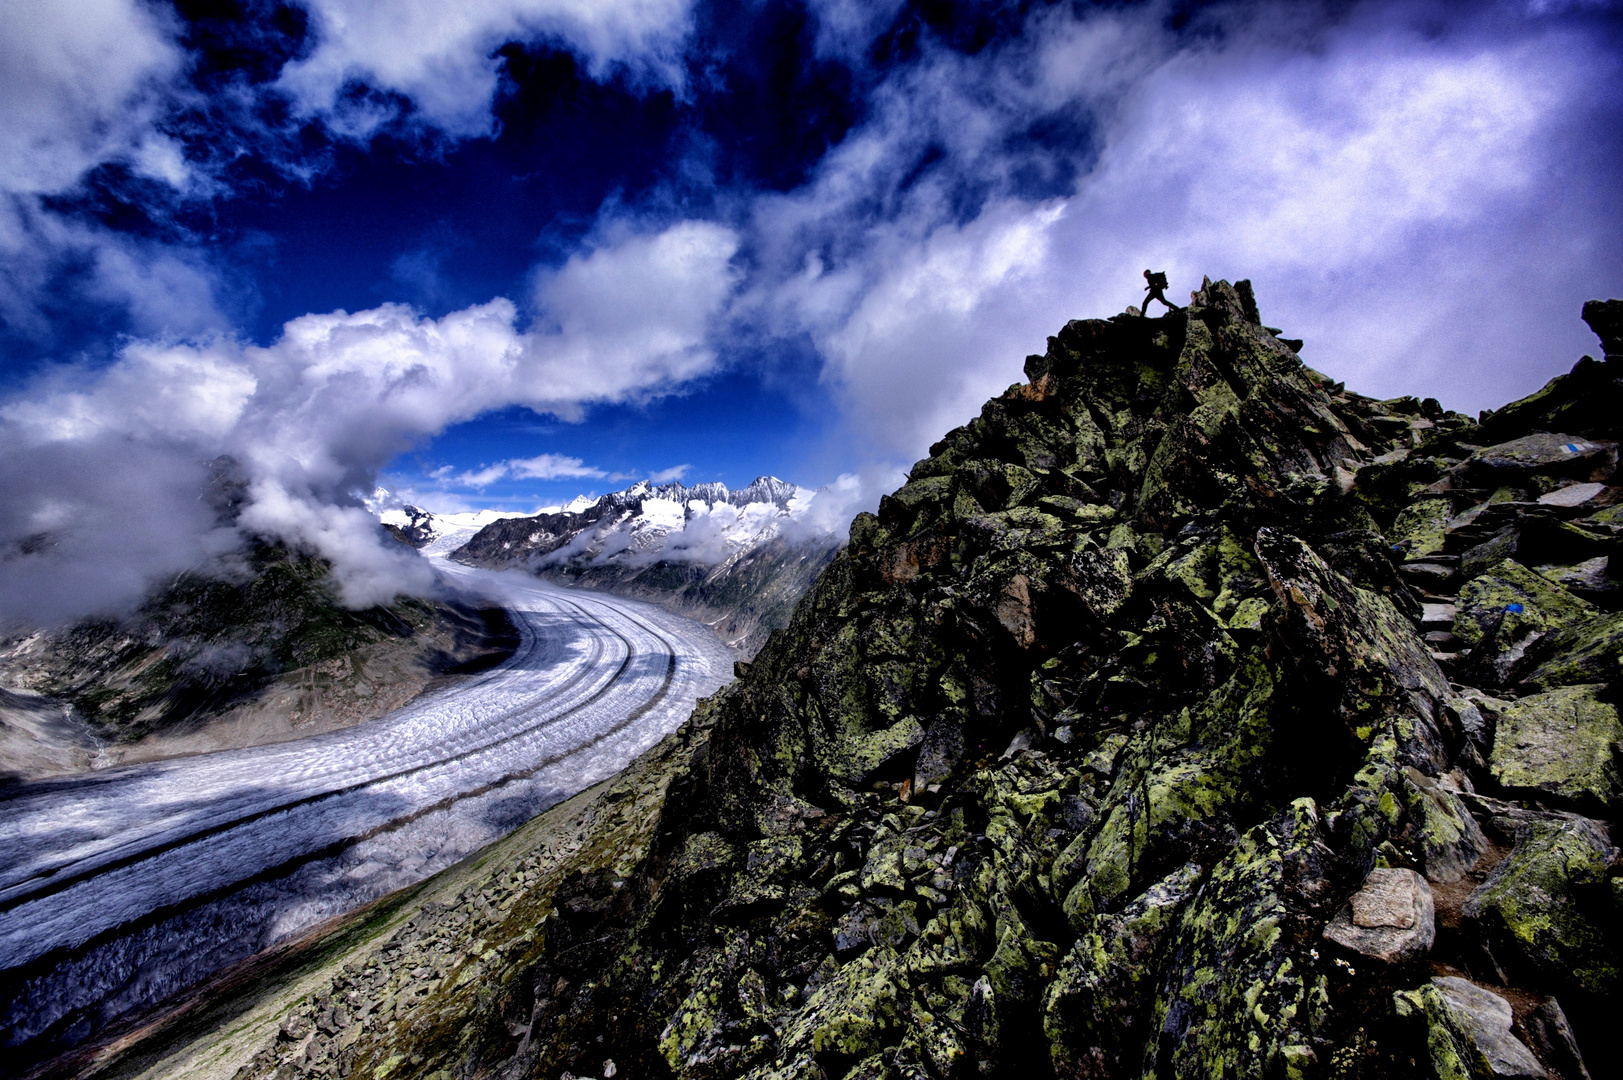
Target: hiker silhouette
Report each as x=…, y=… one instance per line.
x=1156, y=289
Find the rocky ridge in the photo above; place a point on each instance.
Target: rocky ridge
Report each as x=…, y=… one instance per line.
x=1184, y=714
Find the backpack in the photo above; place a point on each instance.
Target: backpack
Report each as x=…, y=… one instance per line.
x=1158, y=281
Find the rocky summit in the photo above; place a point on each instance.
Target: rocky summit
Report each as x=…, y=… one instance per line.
x=1184, y=714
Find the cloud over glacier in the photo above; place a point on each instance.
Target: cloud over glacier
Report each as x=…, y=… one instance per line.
x=312, y=417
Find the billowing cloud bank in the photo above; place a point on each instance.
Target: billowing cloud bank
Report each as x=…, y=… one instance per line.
x=1419, y=194
x=1424, y=192
x=103, y=469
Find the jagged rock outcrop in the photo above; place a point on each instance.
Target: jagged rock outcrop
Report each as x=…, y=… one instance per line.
x=1067, y=762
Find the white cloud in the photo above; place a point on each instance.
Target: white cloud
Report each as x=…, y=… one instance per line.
x=82, y=84
x=314, y=416
x=482, y=478
x=1414, y=203
x=442, y=56
x=633, y=315
x=670, y=475
x=830, y=508
x=553, y=467
x=847, y=28
x=541, y=467
x=78, y=82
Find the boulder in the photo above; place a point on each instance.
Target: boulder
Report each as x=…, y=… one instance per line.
x=1419, y=528
x=1112, y=962
x=1563, y=742
x=1551, y=1035
x=1473, y=727
x=1549, y=913
x=1504, y=611
x=1539, y=451
x=1468, y=1031
x=1240, y=996
x=1391, y=918
x=1449, y=839
x=1571, y=495
x=1587, y=651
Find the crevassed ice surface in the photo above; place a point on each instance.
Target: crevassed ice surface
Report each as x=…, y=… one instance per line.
x=122, y=887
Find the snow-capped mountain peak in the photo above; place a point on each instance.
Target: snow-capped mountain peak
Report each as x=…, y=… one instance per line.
x=700, y=523
x=737, y=559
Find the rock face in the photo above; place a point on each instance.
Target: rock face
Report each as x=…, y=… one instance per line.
x=1174, y=657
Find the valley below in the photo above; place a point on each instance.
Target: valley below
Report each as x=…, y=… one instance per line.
x=122, y=887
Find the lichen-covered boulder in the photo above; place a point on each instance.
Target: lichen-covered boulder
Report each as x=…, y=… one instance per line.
x=1420, y=528
x=1352, y=646
x=850, y=1013
x=1113, y=961
x=1542, y=450
x=1467, y=1031
x=1585, y=651
x=1514, y=599
x=1504, y=612
x=1565, y=743
x=1550, y=913
x=1240, y=997
x=1448, y=838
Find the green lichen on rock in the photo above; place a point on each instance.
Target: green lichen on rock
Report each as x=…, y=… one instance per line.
x=1565, y=743
x=1550, y=911
x=1420, y=527
x=1467, y=1031
x=1447, y=838
x=1114, y=960
x=1588, y=651
x=1487, y=604
x=1241, y=997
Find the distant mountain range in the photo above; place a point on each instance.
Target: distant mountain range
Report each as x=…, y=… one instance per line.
x=736, y=560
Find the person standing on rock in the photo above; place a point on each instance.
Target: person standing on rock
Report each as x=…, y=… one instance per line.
x=1157, y=291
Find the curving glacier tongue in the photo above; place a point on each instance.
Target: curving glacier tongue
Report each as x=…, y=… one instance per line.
x=119, y=889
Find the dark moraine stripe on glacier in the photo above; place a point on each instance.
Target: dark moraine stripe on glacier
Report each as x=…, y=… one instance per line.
x=124, y=887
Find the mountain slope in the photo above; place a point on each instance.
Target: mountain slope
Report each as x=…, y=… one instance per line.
x=1184, y=714
x=736, y=560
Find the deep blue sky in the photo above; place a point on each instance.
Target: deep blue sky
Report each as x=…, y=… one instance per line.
x=755, y=237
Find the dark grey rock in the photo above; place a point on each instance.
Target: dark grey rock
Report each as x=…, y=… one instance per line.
x=1552, y=1037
